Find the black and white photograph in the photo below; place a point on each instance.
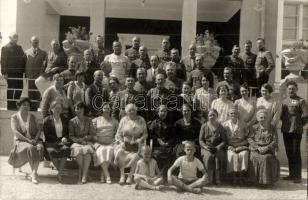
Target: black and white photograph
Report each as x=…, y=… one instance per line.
x=153, y=99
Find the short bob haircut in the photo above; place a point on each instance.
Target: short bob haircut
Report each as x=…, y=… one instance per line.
x=268, y=87
x=115, y=79
x=213, y=110
x=292, y=83
x=80, y=104
x=22, y=100
x=57, y=75
x=222, y=86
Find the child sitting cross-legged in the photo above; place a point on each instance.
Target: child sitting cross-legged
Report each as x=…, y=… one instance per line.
x=147, y=174
x=187, y=179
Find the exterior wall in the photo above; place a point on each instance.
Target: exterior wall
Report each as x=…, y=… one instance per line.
x=32, y=19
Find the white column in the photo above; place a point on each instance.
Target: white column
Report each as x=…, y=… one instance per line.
x=279, y=38
x=97, y=17
x=250, y=22
x=189, y=24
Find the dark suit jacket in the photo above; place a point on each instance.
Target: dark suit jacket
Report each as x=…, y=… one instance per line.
x=50, y=130
x=35, y=64
x=13, y=59
x=56, y=60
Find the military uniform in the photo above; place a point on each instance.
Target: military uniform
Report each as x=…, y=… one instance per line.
x=264, y=65
x=250, y=72
x=237, y=66
x=132, y=53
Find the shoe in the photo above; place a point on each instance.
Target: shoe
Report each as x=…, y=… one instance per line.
x=108, y=180
x=59, y=177
x=34, y=180
x=103, y=180
x=196, y=190
x=84, y=180
x=297, y=180
x=158, y=188
x=129, y=180
x=122, y=180
x=288, y=178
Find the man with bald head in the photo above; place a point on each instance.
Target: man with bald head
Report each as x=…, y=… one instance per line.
x=36, y=59
x=13, y=61
x=35, y=66
x=57, y=59
x=98, y=51
x=119, y=63
x=164, y=53
x=96, y=95
x=88, y=66
x=133, y=52
x=142, y=62
x=189, y=61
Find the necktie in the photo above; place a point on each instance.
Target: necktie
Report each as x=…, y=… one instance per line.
x=35, y=51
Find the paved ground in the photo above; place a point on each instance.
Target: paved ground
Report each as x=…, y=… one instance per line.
x=19, y=187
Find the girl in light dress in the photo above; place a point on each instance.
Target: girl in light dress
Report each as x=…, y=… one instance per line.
x=268, y=103
x=222, y=105
x=246, y=107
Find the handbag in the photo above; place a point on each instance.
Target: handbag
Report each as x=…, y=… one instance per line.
x=13, y=156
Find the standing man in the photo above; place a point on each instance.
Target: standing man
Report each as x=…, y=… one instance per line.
x=69, y=74
x=294, y=117
x=119, y=63
x=249, y=59
x=180, y=68
x=196, y=75
x=88, y=66
x=236, y=64
x=142, y=86
x=141, y=62
x=99, y=51
x=264, y=63
x=56, y=58
x=172, y=83
x=164, y=53
x=13, y=61
x=233, y=85
x=133, y=52
x=189, y=61
x=96, y=95
x=35, y=66
x=154, y=70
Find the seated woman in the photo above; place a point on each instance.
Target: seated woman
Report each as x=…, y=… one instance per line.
x=212, y=140
x=81, y=133
x=161, y=134
x=264, y=169
x=238, y=152
x=106, y=128
x=186, y=128
x=55, y=127
x=131, y=135
x=28, y=147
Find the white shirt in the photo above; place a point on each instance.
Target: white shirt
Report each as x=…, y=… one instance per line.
x=188, y=169
x=58, y=127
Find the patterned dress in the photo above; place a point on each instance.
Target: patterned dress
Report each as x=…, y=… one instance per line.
x=129, y=130
x=105, y=133
x=25, y=152
x=222, y=108
x=77, y=131
x=237, y=138
x=264, y=168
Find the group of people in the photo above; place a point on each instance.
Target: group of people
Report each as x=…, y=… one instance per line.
x=155, y=114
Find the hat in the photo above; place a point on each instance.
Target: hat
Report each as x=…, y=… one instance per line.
x=22, y=100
